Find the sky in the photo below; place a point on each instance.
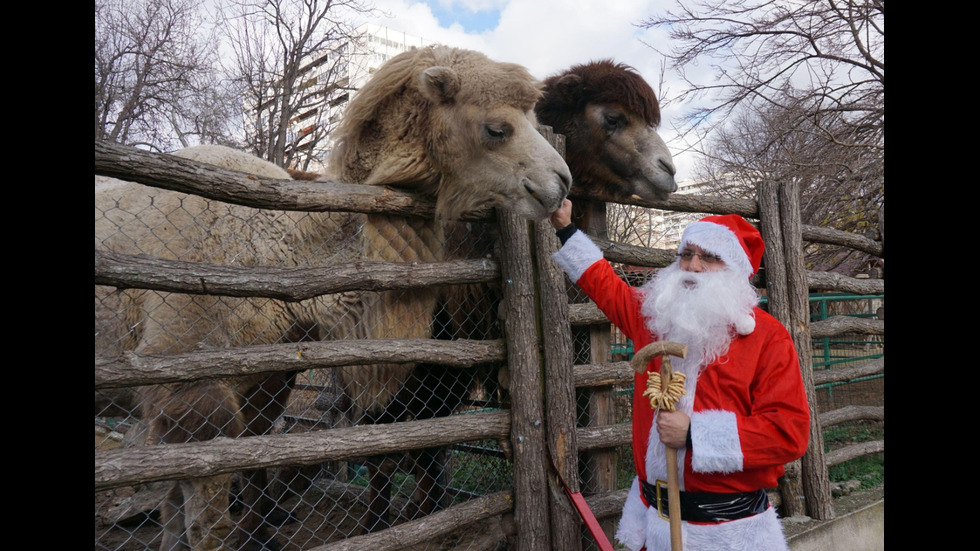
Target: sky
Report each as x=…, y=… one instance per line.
x=548, y=36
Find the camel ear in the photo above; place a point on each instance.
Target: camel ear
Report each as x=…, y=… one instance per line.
x=402, y=170
x=567, y=84
x=439, y=84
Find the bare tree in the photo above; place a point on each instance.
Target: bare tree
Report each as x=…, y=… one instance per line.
x=795, y=92
x=830, y=53
x=154, y=80
x=289, y=60
x=841, y=186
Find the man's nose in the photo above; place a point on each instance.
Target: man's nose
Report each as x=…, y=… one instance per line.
x=695, y=264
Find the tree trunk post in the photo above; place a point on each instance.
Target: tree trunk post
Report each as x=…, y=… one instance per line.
x=601, y=464
x=791, y=502
x=559, y=389
x=559, y=377
x=816, y=482
x=531, y=511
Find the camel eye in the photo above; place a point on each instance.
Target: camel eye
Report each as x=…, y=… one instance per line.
x=494, y=133
x=613, y=121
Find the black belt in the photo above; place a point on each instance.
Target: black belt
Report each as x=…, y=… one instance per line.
x=707, y=506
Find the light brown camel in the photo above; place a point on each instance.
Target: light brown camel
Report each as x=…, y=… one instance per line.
x=448, y=123
x=468, y=140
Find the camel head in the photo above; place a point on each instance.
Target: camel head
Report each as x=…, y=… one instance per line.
x=609, y=116
x=456, y=125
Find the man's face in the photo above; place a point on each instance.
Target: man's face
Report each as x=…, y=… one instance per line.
x=695, y=259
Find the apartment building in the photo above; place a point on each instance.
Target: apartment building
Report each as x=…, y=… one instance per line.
x=333, y=75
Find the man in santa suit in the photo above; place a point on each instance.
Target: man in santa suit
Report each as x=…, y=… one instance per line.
x=744, y=414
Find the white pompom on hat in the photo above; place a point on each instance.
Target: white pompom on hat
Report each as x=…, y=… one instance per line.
x=730, y=237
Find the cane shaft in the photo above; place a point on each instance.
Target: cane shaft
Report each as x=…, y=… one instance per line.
x=673, y=500
x=639, y=364
x=673, y=484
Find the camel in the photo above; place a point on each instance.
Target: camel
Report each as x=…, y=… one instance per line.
x=609, y=115
x=624, y=158
x=443, y=122
x=446, y=123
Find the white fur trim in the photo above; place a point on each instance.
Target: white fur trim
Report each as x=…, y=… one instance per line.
x=720, y=240
x=633, y=524
x=642, y=526
x=715, y=443
x=578, y=253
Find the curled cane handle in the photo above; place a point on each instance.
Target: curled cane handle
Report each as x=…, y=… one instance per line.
x=654, y=349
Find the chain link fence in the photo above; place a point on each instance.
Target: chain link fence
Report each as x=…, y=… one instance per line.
x=304, y=506
x=309, y=506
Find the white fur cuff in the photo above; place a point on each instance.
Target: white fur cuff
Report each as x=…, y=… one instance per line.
x=578, y=253
x=715, y=444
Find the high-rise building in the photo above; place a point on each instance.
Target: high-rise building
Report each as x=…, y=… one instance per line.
x=339, y=70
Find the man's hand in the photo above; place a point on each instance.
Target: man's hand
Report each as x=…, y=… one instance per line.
x=563, y=216
x=672, y=426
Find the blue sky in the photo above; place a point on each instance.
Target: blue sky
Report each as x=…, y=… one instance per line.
x=473, y=19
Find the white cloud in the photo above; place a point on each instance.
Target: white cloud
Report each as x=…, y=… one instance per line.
x=548, y=36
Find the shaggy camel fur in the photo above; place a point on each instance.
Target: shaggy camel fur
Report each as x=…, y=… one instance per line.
x=457, y=126
x=609, y=116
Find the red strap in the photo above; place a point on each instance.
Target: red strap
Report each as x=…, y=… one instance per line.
x=590, y=521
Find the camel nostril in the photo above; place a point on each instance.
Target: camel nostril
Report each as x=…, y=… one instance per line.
x=566, y=183
x=530, y=191
x=668, y=167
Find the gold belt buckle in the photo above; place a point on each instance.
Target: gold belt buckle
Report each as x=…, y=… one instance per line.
x=660, y=511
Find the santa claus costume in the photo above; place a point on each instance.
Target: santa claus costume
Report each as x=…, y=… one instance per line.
x=744, y=396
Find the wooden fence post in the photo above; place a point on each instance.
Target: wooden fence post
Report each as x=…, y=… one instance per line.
x=601, y=409
x=791, y=502
x=559, y=377
x=788, y=289
x=816, y=482
x=559, y=389
x=531, y=511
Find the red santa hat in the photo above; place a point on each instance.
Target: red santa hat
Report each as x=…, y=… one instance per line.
x=730, y=237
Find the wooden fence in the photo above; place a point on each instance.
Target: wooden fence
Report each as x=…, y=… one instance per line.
x=541, y=426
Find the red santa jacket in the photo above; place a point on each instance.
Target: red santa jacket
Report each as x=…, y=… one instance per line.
x=750, y=413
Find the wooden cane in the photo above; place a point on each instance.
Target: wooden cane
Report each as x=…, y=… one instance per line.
x=664, y=396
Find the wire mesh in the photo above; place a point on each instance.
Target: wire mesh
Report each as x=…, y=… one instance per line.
x=299, y=506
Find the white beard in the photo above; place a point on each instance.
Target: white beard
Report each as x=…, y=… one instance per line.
x=703, y=310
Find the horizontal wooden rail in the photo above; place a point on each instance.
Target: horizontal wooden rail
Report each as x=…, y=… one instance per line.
x=187, y=176
x=842, y=374
x=853, y=451
x=132, y=369
x=831, y=281
x=847, y=414
x=123, y=467
x=289, y=284
x=747, y=208
x=837, y=325
x=604, y=436
x=416, y=532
